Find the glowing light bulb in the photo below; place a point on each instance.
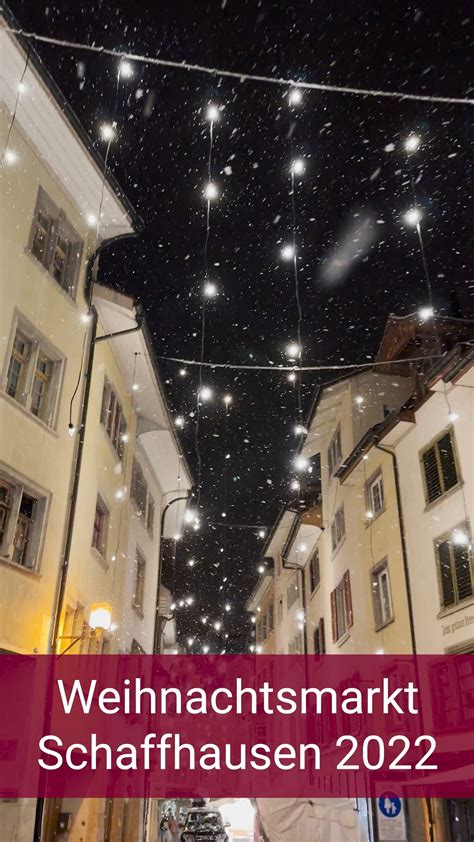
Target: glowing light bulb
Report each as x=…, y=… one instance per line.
x=190, y=641
x=181, y=603
x=189, y=516
x=300, y=615
x=179, y=421
x=85, y=318
x=369, y=515
x=177, y=537
x=453, y=416
x=125, y=69
x=210, y=289
x=227, y=399
x=205, y=393
x=293, y=350
x=210, y=191
x=21, y=87
x=297, y=166
x=205, y=649
x=107, y=132
x=460, y=538
x=11, y=157
x=295, y=485
x=288, y=252
x=251, y=648
x=189, y=600
x=295, y=96
x=261, y=568
x=212, y=112
x=204, y=620
x=173, y=606
x=291, y=377
x=253, y=619
x=302, y=548
x=91, y=220
x=413, y=217
x=191, y=562
x=412, y=143
x=359, y=400
x=135, y=387
x=217, y=625
x=261, y=533
x=299, y=430
x=183, y=372
x=258, y=649
x=425, y=313
x=300, y=463
x=120, y=494
x=124, y=437
x=228, y=606
x=71, y=430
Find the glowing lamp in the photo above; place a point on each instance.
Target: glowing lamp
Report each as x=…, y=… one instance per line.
x=100, y=616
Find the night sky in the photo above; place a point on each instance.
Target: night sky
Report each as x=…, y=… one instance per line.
x=357, y=262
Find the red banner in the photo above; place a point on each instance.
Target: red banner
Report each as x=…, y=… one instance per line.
x=260, y=726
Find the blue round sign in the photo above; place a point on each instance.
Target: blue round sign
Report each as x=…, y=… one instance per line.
x=390, y=805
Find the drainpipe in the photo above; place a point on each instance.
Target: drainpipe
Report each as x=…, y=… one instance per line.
x=92, y=269
x=91, y=277
x=396, y=473
x=406, y=570
x=157, y=631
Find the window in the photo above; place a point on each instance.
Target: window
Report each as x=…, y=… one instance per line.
x=319, y=638
x=314, y=572
x=101, y=525
x=33, y=374
x=139, y=488
x=293, y=591
x=139, y=590
x=335, y=452
x=112, y=418
x=338, y=528
x=21, y=519
x=455, y=567
x=439, y=467
x=341, y=608
x=150, y=515
x=270, y=617
x=280, y=611
x=381, y=595
x=295, y=647
x=374, y=495
x=55, y=243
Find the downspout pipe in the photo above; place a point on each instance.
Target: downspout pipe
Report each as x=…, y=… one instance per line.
x=157, y=630
x=91, y=277
x=406, y=570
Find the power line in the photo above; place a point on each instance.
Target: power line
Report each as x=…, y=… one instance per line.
x=280, y=368
x=241, y=76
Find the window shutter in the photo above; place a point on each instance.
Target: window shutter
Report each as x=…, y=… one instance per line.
x=448, y=462
x=446, y=574
x=105, y=403
x=462, y=570
x=322, y=637
x=432, y=478
x=72, y=266
x=53, y=235
x=334, y=616
x=348, y=599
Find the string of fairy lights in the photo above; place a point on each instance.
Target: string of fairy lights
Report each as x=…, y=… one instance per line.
x=289, y=254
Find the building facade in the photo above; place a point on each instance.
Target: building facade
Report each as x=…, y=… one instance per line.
x=89, y=459
x=373, y=555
